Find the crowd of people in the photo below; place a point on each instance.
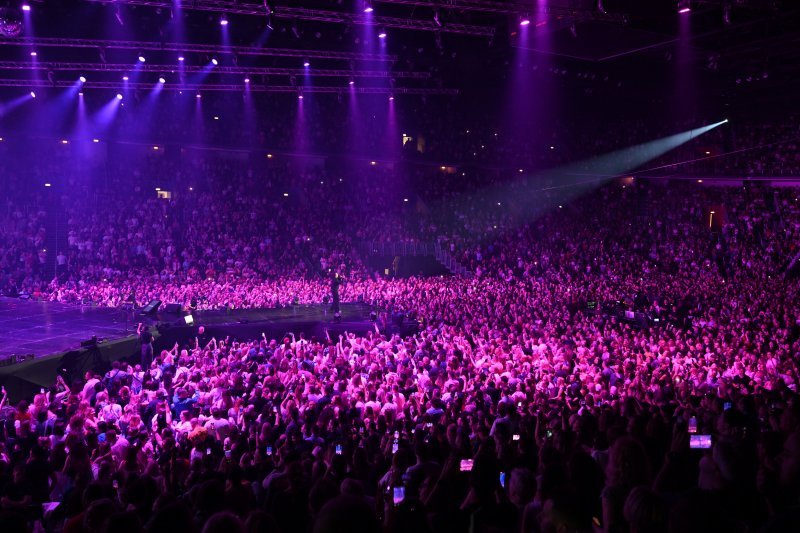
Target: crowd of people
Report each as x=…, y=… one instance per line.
x=624, y=356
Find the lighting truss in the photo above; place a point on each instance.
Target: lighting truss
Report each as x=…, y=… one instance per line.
x=41, y=42
x=160, y=69
x=218, y=87
x=319, y=15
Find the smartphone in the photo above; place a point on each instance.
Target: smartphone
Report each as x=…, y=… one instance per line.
x=429, y=425
x=548, y=433
x=727, y=405
x=515, y=436
x=227, y=454
x=338, y=449
x=41, y=391
x=466, y=465
x=700, y=442
x=395, y=447
x=115, y=484
x=693, y=425
x=269, y=450
x=396, y=435
x=399, y=494
x=503, y=479
x=208, y=451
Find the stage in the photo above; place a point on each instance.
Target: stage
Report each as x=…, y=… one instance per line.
x=44, y=328
x=41, y=339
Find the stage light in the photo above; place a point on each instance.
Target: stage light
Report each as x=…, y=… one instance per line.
x=180, y=58
x=684, y=6
x=33, y=94
x=269, y=156
x=524, y=20
x=155, y=148
x=141, y=59
x=391, y=97
x=285, y=195
x=684, y=10
x=368, y=6
x=47, y=185
x=214, y=61
x=124, y=78
x=247, y=80
x=382, y=34
x=306, y=63
x=82, y=79
x=95, y=140
x=352, y=81
x=197, y=95
x=26, y=7
x=300, y=96
x=64, y=141
x=119, y=96
x=223, y=21
x=80, y=94
x=162, y=80
x=189, y=319
x=216, y=117
x=373, y=163
x=34, y=54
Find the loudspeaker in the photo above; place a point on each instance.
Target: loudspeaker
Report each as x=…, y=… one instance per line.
x=173, y=308
x=151, y=308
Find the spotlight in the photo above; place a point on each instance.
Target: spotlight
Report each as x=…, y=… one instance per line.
x=119, y=96
x=197, y=95
x=247, y=80
x=162, y=80
x=684, y=6
x=33, y=94
x=214, y=61
x=82, y=79
x=352, y=81
x=524, y=20
x=300, y=96
x=95, y=140
x=368, y=6
x=306, y=63
x=391, y=97
x=180, y=58
x=26, y=7
x=124, y=78
x=141, y=59
x=223, y=21
x=33, y=54
x=80, y=93
x=382, y=34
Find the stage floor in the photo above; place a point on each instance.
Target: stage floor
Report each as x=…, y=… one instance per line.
x=44, y=328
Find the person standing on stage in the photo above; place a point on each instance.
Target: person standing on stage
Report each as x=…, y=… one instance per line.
x=147, y=345
x=335, y=282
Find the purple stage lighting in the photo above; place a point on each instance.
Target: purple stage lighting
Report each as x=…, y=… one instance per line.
x=162, y=80
x=306, y=63
x=141, y=59
x=34, y=54
x=26, y=7
x=352, y=81
x=82, y=79
x=684, y=10
x=119, y=96
x=391, y=97
x=382, y=34
x=197, y=95
x=525, y=21
x=247, y=80
x=33, y=94
x=223, y=21
x=80, y=94
x=214, y=61
x=124, y=78
x=180, y=58
x=368, y=6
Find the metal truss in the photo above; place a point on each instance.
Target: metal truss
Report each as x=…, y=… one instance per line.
x=255, y=87
x=187, y=48
x=319, y=15
x=252, y=71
